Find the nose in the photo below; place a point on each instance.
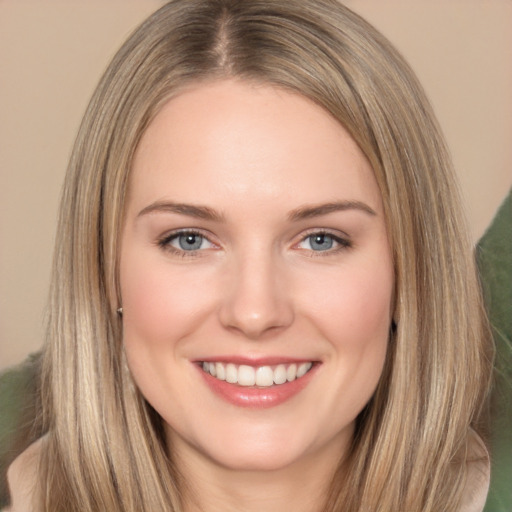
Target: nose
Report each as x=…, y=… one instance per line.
x=256, y=301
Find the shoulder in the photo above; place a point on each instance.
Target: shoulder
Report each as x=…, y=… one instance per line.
x=478, y=476
x=22, y=478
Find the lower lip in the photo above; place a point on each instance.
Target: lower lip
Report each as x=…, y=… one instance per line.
x=257, y=398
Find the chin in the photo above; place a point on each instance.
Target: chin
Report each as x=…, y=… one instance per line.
x=256, y=460
x=261, y=449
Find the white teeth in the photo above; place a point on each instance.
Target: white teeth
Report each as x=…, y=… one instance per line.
x=262, y=376
x=280, y=374
x=291, y=373
x=246, y=375
x=231, y=374
x=221, y=371
x=301, y=370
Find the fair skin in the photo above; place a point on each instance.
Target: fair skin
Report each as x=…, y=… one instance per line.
x=254, y=236
x=275, y=278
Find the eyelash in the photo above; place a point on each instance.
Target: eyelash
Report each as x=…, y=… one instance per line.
x=344, y=243
x=164, y=243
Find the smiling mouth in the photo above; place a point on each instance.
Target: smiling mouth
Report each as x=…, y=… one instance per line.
x=261, y=376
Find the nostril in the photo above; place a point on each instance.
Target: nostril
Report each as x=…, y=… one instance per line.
x=256, y=324
x=254, y=302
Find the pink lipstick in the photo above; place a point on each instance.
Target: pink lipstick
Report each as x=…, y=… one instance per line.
x=260, y=383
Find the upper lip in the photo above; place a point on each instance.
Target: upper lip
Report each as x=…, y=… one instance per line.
x=254, y=361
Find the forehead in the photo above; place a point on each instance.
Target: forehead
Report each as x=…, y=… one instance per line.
x=230, y=139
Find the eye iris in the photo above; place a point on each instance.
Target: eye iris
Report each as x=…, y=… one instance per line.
x=321, y=242
x=190, y=241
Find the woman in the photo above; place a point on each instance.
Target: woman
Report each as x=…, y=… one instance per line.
x=264, y=296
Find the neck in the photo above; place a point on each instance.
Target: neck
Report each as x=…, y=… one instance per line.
x=301, y=486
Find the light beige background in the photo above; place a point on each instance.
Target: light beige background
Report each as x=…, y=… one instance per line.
x=52, y=53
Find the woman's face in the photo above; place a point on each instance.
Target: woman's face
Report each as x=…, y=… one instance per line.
x=254, y=249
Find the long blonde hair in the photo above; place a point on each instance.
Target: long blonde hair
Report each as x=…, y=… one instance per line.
x=105, y=449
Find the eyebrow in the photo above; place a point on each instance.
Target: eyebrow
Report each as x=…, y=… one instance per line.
x=207, y=213
x=197, y=211
x=308, y=212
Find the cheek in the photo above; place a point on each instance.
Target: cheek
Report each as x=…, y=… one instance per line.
x=352, y=311
x=352, y=307
x=161, y=303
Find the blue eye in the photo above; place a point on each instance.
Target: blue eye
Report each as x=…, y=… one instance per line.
x=185, y=241
x=323, y=242
x=189, y=241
